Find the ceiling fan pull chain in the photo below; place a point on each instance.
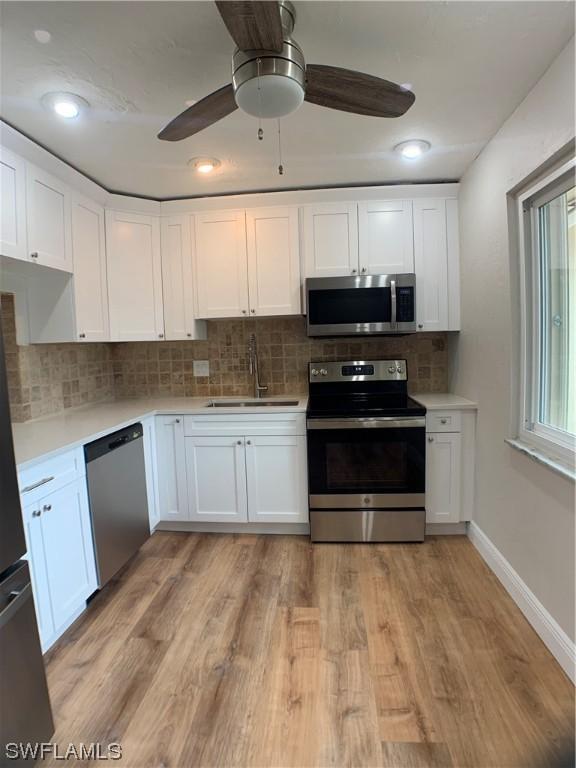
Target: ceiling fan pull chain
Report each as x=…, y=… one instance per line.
x=260, y=130
x=280, y=166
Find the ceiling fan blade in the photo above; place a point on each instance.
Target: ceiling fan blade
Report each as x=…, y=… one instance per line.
x=253, y=24
x=356, y=92
x=208, y=110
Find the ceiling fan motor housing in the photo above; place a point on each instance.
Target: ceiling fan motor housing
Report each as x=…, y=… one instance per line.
x=269, y=84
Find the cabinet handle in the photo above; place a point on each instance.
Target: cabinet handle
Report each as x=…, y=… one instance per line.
x=46, y=507
x=420, y=325
x=363, y=270
x=239, y=442
x=430, y=439
x=248, y=442
x=81, y=335
x=243, y=311
x=189, y=335
x=34, y=255
x=160, y=335
x=36, y=513
x=253, y=311
x=443, y=421
x=354, y=271
x=177, y=421
x=38, y=484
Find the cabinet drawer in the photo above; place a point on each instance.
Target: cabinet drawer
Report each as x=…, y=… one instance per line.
x=443, y=421
x=250, y=424
x=50, y=474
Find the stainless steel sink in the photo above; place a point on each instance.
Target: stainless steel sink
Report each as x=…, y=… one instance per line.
x=251, y=403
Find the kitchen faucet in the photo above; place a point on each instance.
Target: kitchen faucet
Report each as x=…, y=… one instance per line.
x=253, y=366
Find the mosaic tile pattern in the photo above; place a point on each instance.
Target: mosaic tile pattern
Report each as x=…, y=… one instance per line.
x=284, y=350
x=44, y=379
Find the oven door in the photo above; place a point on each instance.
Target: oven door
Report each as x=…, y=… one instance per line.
x=368, y=304
x=366, y=463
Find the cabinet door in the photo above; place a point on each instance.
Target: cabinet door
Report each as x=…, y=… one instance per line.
x=68, y=551
x=150, y=462
x=90, y=282
x=37, y=562
x=276, y=479
x=216, y=479
x=273, y=261
x=171, y=469
x=48, y=217
x=178, y=280
x=134, y=276
x=443, y=462
x=12, y=205
x=221, y=265
x=431, y=264
x=386, y=238
x=331, y=239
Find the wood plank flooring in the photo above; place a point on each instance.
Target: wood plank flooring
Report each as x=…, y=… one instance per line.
x=214, y=650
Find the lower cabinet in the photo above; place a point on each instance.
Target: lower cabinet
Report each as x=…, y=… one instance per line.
x=235, y=478
x=149, y=427
x=61, y=557
x=443, y=474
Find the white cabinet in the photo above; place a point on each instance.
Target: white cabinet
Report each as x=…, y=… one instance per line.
x=216, y=479
x=61, y=556
x=134, y=276
x=171, y=469
x=276, y=479
x=90, y=280
x=386, y=238
x=48, y=219
x=221, y=265
x=177, y=241
x=431, y=264
x=12, y=205
x=150, y=463
x=273, y=261
x=443, y=476
x=331, y=239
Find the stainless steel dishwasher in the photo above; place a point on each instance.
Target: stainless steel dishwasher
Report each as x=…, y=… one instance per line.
x=118, y=503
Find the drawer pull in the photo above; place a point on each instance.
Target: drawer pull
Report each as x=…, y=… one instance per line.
x=38, y=484
x=443, y=421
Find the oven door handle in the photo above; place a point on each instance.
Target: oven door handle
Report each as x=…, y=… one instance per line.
x=377, y=422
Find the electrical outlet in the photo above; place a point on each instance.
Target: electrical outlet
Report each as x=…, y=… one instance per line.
x=201, y=368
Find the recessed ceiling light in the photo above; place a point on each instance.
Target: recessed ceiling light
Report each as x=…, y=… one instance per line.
x=204, y=164
x=42, y=36
x=66, y=105
x=412, y=149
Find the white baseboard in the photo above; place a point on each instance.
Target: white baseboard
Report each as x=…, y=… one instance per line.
x=550, y=632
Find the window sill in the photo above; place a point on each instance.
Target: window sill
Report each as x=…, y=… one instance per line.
x=543, y=458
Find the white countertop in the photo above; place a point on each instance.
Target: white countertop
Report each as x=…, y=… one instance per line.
x=77, y=426
x=444, y=401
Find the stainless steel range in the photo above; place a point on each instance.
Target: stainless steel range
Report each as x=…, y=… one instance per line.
x=366, y=453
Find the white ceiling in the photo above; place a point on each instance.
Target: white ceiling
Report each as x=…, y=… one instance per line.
x=137, y=63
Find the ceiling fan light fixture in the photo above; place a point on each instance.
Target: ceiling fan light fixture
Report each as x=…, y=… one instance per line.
x=270, y=96
x=413, y=148
x=204, y=165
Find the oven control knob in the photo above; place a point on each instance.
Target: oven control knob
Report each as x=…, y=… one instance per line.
x=314, y=371
x=392, y=369
x=323, y=372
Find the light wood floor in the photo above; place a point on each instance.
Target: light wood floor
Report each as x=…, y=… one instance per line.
x=224, y=650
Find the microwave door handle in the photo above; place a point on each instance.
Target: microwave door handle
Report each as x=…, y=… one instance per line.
x=393, y=303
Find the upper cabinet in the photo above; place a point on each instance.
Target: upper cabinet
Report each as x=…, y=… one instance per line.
x=385, y=235
x=221, y=274
x=331, y=239
x=90, y=279
x=134, y=276
x=273, y=261
x=12, y=206
x=431, y=264
x=177, y=242
x=48, y=217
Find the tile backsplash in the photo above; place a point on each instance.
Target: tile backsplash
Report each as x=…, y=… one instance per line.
x=284, y=350
x=47, y=378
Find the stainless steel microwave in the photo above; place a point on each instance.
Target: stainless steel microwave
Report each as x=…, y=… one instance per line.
x=361, y=305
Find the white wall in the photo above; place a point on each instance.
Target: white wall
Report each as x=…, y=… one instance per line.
x=526, y=509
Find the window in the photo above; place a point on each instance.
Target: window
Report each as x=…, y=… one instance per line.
x=548, y=261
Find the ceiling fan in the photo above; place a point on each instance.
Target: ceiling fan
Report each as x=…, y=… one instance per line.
x=270, y=78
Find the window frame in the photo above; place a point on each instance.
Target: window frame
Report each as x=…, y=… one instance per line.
x=554, y=443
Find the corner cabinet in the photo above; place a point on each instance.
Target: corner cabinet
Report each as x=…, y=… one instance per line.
x=90, y=276
x=134, y=276
x=12, y=206
x=48, y=218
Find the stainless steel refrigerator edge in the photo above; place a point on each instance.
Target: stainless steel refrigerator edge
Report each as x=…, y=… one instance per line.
x=25, y=712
